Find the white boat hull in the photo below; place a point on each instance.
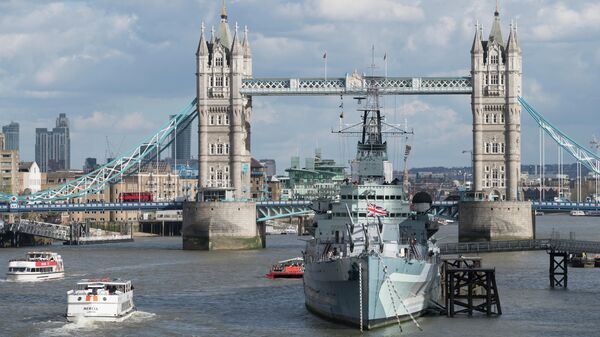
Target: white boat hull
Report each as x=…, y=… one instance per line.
x=33, y=277
x=101, y=307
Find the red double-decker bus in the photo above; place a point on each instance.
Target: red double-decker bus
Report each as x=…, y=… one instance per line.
x=136, y=197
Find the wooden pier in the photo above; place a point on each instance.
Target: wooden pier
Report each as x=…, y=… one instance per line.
x=468, y=286
x=558, y=251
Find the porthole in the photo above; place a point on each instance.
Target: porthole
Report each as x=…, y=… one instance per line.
x=79, y=298
x=104, y=298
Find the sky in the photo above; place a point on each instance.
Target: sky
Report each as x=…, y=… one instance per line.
x=119, y=68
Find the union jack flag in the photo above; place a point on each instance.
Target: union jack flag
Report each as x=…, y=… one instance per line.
x=374, y=210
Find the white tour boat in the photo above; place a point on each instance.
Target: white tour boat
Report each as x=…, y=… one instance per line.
x=36, y=266
x=100, y=300
x=577, y=212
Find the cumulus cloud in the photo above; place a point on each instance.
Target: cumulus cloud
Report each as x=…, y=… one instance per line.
x=364, y=10
x=559, y=21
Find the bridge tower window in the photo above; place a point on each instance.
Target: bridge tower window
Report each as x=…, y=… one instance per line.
x=494, y=59
x=494, y=118
x=487, y=118
x=219, y=61
x=487, y=148
x=494, y=79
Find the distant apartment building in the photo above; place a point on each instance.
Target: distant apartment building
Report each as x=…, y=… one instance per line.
x=11, y=135
x=9, y=169
x=53, y=148
x=270, y=166
x=181, y=146
x=159, y=180
x=90, y=164
x=319, y=178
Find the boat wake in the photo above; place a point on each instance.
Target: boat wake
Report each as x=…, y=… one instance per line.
x=89, y=327
x=79, y=328
x=141, y=316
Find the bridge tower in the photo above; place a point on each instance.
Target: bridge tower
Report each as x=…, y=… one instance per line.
x=496, y=69
x=224, y=114
x=496, y=74
x=223, y=146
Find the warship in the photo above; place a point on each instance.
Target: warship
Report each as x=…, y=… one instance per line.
x=372, y=259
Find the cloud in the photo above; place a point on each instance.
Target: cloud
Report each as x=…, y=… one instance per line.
x=99, y=121
x=364, y=10
x=559, y=21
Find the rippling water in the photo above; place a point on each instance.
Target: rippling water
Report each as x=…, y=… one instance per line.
x=191, y=293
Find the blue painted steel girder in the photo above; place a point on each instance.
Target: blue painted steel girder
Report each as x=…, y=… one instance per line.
x=356, y=85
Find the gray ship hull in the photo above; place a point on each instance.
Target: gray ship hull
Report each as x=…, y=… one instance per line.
x=331, y=289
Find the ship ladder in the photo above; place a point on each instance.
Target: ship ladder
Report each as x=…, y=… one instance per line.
x=391, y=285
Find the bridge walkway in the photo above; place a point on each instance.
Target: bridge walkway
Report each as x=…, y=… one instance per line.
x=559, y=245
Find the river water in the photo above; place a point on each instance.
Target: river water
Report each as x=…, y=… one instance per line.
x=194, y=293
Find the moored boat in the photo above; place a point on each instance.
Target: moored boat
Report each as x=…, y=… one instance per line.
x=36, y=266
x=292, y=268
x=372, y=260
x=577, y=212
x=100, y=300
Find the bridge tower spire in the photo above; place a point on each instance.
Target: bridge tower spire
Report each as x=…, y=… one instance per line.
x=496, y=69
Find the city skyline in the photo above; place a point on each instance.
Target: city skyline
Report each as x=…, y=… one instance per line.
x=156, y=74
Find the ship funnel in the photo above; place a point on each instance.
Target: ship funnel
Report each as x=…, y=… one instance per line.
x=422, y=202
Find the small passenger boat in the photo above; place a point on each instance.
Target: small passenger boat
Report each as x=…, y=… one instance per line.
x=577, y=212
x=36, y=266
x=104, y=300
x=292, y=268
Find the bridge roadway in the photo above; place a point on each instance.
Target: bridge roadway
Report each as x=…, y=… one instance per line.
x=72, y=234
x=545, y=206
x=265, y=210
x=559, y=245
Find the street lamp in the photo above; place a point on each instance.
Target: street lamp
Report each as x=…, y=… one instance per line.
x=472, y=173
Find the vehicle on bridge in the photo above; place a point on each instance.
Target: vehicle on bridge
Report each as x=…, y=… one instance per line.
x=136, y=197
x=104, y=300
x=37, y=266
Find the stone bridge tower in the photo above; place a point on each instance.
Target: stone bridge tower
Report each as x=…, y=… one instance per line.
x=496, y=69
x=223, y=113
x=223, y=147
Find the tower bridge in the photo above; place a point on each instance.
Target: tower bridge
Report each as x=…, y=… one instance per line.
x=223, y=106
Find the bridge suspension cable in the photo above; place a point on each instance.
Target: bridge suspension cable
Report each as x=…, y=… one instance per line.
x=114, y=171
x=583, y=155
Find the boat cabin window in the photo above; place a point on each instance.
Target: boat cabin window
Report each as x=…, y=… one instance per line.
x=380, y=197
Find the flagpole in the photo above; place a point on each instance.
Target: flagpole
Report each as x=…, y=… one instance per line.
x=325, y=57
x=385, y=63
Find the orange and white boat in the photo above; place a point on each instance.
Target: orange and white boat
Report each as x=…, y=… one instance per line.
x=37, y=266
x=292, y=268
x=104, y=300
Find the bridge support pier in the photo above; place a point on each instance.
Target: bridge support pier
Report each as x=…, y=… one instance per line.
x=495, y=220
x=558, y=269
x=220, y=225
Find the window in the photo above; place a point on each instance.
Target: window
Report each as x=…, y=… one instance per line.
x=219, y=175
x=502, y=168
x=227, y=167
x=487, y=118
x=226, y=148
x=495, y=148
x=219, y=119
x=494, y=118
x=501, y=147
x=502, y=118
x=487, y=168
x=219, y=148
x=487, y=148
x=494, y=59
x=219, y=81
x=226, y=120
x=212, y=150
x=211, y=120
x=494, y=79
x=219, y=61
